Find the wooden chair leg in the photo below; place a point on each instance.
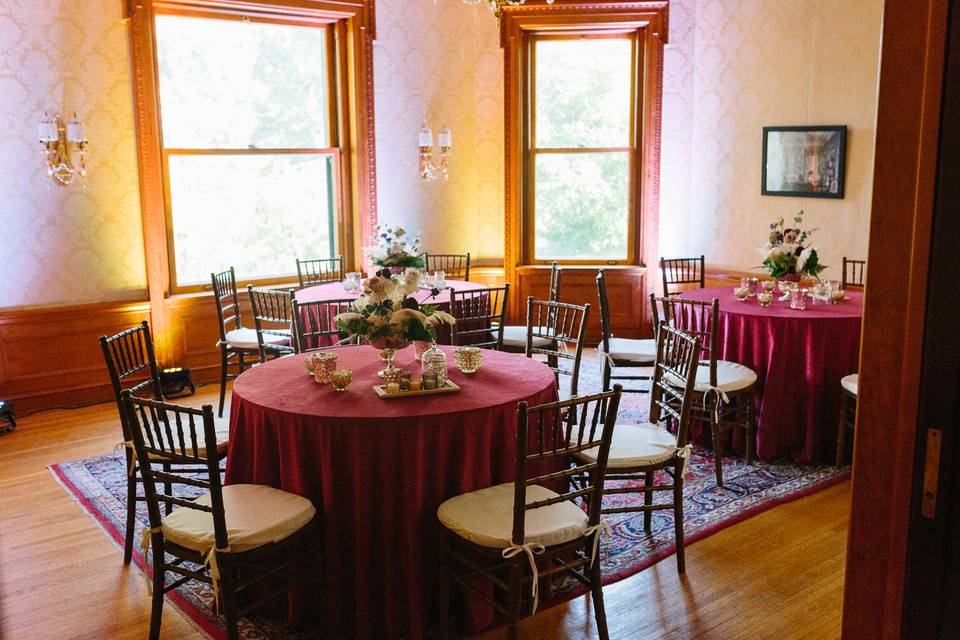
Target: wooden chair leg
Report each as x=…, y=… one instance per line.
x=514, y=597
x=228, y=595
x=443, y=600
x=717, y=449
x=168, y=489
x=648, y=501
x=131, y=509
x=751, y=426
x=596, y=590
x=678, y=515
x=606, y=374
x=159, y=575
x=224, y=362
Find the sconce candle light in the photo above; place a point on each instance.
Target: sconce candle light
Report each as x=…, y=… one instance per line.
x=428, y=170
x=56, y=136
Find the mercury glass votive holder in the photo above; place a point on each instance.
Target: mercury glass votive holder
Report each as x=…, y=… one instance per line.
x=764, y=298
x=324, y=363
x=340, y=379
x=741, y=293
x=468, y=359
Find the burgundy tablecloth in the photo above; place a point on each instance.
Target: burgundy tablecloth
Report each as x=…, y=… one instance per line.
x=335, y=291
x=378, y=469
x=799, y=358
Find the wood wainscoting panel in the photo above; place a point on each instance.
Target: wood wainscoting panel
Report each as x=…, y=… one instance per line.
x=50, y=356
x=626, y=289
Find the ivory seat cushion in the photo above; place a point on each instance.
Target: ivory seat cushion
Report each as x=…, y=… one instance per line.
x=244, y=338
x=256, y=515
x=731, y=376
x=636, y=445
x=485, y=517
x=851, y=383
x=632, y=350
x=516, y=336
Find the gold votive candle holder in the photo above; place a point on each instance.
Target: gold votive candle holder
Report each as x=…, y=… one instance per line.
x=393, y=375
x=468, y=359
x=764, y=298
x=340, y=379
x=324, y=362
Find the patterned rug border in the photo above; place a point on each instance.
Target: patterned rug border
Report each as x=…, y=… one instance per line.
x=746, y=514
x=186, y=609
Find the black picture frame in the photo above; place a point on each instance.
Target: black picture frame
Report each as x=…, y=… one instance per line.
x=790, y=168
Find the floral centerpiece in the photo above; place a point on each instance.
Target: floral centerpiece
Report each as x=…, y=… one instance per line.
x=387, y=317
x=394, y=249
x=787, y=254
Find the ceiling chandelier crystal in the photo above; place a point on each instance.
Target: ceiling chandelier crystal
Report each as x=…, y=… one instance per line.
x=496, y=6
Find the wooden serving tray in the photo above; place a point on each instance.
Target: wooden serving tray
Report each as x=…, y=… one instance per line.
x=449, y=387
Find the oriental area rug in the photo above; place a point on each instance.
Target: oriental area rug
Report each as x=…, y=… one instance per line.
x=98, y=485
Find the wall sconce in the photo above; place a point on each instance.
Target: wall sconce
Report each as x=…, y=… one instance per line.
x=56, y=138
x=428, y=170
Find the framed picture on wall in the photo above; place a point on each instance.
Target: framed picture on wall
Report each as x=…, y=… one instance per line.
x=804, y=161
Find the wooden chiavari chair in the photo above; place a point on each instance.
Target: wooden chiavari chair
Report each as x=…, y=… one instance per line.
x=854, y=273
x=679, y=273
x=479, y=316
x=236, y=341
x=515, y=336
x=524, y=530
x=849, y=388
x=620, y=353
x=455, y=266
x=723, y=394
x=132, y=366
x=311, y=272
x=638, y=451
x=314, y=328
x=273, y=320
x=551, y=327
x=271, y=531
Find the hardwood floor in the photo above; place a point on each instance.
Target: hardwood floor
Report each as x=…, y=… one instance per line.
x=777, y=575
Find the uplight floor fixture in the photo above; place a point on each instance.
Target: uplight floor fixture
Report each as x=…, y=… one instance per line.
x=428, y=170
x=59, y=139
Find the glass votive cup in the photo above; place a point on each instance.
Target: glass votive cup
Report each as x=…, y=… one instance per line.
x=323, y=363
x=741, y=293
x=837, y=296
x=764, y=298
x=340, y=379
x=393, y=376
x=769, y=285
x=798, y=299
x=468, y=359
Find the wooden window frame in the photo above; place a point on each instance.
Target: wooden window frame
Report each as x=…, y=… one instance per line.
x=531, y=149
x=649, y=21
x=350, y=26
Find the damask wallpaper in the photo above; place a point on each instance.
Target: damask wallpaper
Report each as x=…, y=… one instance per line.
x=730, y=69
x=441, y=60
x=67, y=244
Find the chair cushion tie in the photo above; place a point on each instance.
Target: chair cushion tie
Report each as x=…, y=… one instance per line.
x=530, y=549
x=603, y=527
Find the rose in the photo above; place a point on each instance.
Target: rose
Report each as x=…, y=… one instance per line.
x=790, y=236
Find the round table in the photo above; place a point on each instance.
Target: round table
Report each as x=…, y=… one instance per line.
x=378, y=469
x=799, y=358
x=335, y=291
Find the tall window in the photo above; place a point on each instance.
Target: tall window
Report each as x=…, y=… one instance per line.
x=249, y=161
x=581, y=160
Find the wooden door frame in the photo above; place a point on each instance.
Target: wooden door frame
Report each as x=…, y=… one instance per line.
x=353, y=23
x=907, y=134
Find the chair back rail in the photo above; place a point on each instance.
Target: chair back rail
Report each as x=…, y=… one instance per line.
x=560, y=323
x=227, y=300
x=479, y=316
x=606, y=329
x=854, y=273
x=697, y=318
x=319, y=271
x=678, y=358
x=453, y=265
x=314, y=328
x=271, y=316
x=555, y=431
x=130, y=354
x=679, y=272
x=165, y=433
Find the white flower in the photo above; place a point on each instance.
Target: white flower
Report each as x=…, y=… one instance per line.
x=802, y=260
x=347, y=317
x=411, y=281
x=376, y=252
x=407, y=314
